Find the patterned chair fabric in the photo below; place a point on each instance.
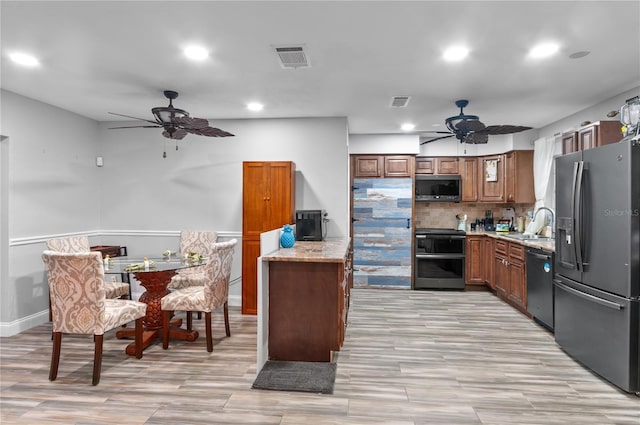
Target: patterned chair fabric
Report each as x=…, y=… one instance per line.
x=79, y=306
x=81, y=244
x=207, y=298
x=200, y=243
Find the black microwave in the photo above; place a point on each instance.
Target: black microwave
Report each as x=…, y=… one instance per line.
x=437, y=188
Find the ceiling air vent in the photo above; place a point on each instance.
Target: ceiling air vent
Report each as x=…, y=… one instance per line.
x=400, y=101
x=292, y=57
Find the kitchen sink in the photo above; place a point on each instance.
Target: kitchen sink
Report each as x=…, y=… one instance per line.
x=521, y=236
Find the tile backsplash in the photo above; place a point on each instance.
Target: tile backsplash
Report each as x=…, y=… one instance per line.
x=443, y=214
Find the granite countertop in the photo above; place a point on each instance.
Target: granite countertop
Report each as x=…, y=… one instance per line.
x=331, y=250
x=546, y=244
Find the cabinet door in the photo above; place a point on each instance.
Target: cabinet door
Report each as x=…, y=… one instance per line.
x=368, y=166
x=491, y=178
x=587, y=137
x=250, y=254
x=474, y=274
x=501, y=275
x=425, y=165
x=517, y=278
x=398, y=166
x=255, y=187
x=447, y=165
x=280, y=195
x=569, y=142
x=468, y=177
x=488, y=261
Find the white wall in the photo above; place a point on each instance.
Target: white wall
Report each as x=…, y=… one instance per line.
x=495, y=145
x=51, y=188
x=595, y=113
x=200, y=185
x=402, y=144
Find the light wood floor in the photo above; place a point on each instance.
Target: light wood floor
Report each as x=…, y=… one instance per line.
x=409, y=358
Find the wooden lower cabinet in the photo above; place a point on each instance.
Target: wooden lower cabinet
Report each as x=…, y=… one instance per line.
x=510, y=273
x=308, y=307
x=517, y=275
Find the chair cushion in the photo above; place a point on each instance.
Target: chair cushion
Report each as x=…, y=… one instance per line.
x=115, y=289
x=119, y=312
x=187, y=299
x=181, y=281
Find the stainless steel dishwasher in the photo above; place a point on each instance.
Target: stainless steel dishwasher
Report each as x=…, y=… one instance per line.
x=540, y=299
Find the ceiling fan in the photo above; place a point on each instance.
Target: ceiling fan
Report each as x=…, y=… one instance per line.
x=469, y=129
x=176, y=123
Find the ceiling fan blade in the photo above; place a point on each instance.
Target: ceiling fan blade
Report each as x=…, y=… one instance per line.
x=475, y=138
x=176, y=134
x=189, y=122
x=135, y=118
x=503, y=129
x=209, y=131
x=434, y=132
x=437, y=138
x=137, y=126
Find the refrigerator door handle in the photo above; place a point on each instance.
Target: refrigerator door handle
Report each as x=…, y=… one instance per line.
x=577, y=213
x=588, y=297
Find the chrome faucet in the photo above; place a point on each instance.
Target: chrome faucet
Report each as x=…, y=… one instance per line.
x=553, y=215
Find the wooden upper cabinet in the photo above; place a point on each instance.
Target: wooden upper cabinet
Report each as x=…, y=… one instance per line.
x=398, y=166
x=425, y=165
x=372, y=166
x=469, y=179
x=599, y=133
x=519, y=187
x=447, y=165
x=437, y=165
x=491, y=176
x=368, y=166
x=569, y=142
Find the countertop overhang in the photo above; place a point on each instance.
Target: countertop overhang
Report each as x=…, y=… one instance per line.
x=330, y=250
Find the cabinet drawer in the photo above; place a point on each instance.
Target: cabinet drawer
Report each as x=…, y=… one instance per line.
x=516, y=252
x=502, y=247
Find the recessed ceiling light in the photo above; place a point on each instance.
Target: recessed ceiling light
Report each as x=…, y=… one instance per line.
x=255, y=106
x=455, y=53
x=196, y=53
x=407, y=126
x=543, y=50
x=24, y=59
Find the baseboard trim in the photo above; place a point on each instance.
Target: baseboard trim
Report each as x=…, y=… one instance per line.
x=24, y=323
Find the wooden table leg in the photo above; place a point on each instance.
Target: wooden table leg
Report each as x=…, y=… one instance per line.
x=155, y=284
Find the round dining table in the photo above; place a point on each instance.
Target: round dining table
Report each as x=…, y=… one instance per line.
x=154, y=276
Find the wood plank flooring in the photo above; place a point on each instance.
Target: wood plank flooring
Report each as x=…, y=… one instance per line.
x=410, y=357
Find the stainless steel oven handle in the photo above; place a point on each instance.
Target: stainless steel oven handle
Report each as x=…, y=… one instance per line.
x=440, y=256
x=421, y=236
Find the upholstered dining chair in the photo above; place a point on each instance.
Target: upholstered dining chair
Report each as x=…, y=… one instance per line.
x=113, y=289
x=213, y=294
x=199, y=243
x=79, y=305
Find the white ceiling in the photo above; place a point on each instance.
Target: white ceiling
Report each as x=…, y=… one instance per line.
x=100, y=56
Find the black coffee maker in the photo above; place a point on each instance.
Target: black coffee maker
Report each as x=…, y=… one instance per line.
x=309, y=225
x=488, y=221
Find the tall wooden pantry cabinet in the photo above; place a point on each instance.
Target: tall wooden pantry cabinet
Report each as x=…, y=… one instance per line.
x=268, y=202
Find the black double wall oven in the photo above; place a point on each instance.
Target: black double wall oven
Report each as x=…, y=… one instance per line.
x=439, y=259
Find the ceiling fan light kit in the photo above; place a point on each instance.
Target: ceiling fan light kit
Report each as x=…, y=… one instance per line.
x=176, y=123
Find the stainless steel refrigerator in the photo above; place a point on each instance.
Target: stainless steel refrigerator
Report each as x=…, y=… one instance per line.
x=597, y=260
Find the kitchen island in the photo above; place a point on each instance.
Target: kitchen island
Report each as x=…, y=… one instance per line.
x=308, y=299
